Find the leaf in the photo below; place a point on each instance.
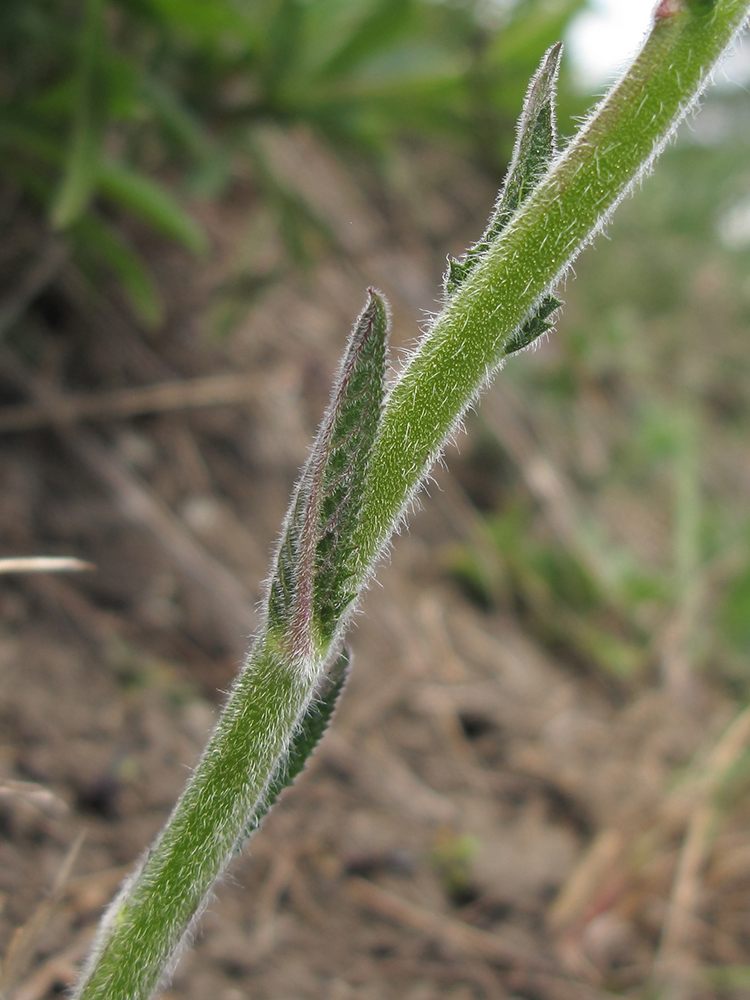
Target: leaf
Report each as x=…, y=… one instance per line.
x=537, y=324
x=83, y=153
x=316, y=561
x=208, y=22
x=153, y=203
x=285, y=40
x=310, y=732
x=735, y=611
x=536, y=143
x=99, y=240
x=376, y=32
x=358, y=405
x=26, y=140
x=535, y=149
x=186, y=128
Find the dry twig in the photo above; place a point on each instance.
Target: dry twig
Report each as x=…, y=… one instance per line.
x=213, y=390
x=44, y=564
x=502, y=947
x=24, y=942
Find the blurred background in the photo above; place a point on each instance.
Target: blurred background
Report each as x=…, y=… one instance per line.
x=536, y=784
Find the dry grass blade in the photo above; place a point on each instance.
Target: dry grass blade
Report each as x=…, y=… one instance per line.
x=674, y=965
x=232, y=604
x=31, y=792
x=57, y=969
x=575, y=897
x=551, y=489
x=213, y=390
x=24, y=942
x=36, y=279
x=44, y=564
x=454, y=934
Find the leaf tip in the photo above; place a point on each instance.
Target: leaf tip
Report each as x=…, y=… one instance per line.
x=377, y=310
x=544, y=82
x=552, y=57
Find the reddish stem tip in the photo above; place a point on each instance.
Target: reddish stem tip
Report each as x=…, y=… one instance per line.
x=667, y=9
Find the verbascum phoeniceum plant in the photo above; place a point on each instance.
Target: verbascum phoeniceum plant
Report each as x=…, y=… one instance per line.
x=374, y=448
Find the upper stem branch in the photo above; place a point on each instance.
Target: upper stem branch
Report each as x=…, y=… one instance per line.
x=572, y=202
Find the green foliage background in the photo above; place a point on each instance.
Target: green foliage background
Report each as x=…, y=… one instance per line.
x=119, y=109
x=138, y=106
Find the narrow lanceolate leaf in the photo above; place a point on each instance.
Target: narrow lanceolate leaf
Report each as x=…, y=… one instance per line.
x=537, y=324
x=534, y=151
x=151, y=201
x=311, y=586
x=102, y=243
x=82, y=157
x=316, y=720
x=536, y=148
x=356, y=421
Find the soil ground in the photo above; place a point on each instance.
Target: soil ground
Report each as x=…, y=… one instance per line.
x=484, y=819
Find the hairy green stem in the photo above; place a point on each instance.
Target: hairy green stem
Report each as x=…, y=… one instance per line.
x=465, y=343
x=141, y=935
x=367, y=463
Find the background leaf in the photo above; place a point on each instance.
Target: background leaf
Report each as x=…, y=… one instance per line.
x=82, y=158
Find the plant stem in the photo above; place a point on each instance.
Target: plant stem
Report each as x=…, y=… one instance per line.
x=156, y=908
x=575, y=199
x=141, y=934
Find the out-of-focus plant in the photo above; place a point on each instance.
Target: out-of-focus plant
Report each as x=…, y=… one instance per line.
x=100, y=97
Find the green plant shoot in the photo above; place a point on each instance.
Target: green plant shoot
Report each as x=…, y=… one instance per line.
x=371, y=455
